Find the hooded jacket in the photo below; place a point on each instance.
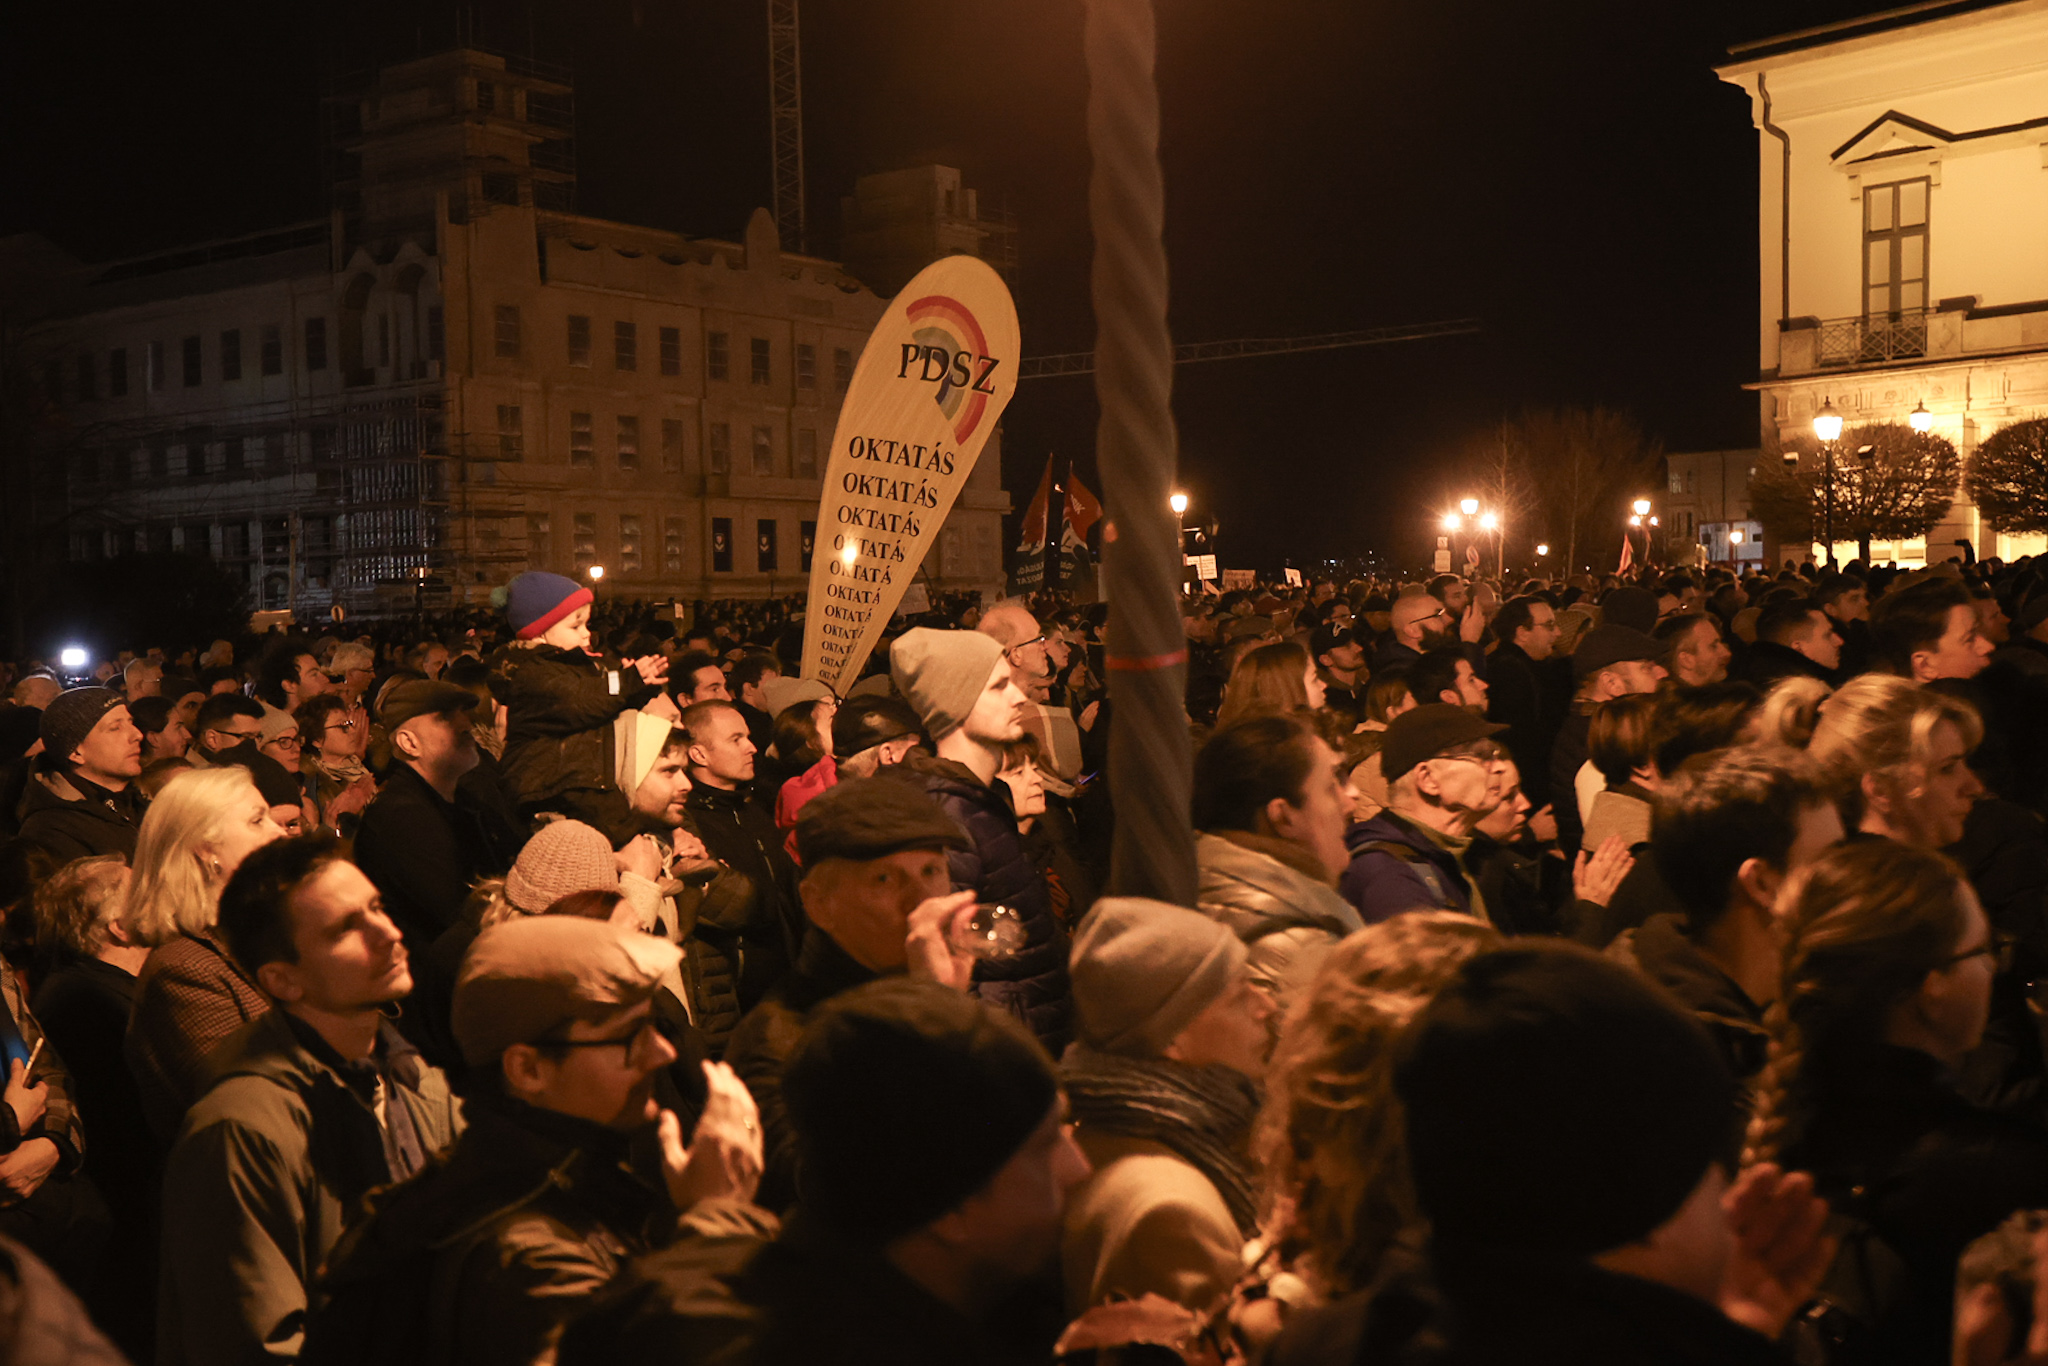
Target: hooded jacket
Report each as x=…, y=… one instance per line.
x=560, y=705
x=265, y=1171
x=1271, y=895
x=60, y=818
x=1414, y=874
x=1660, y=951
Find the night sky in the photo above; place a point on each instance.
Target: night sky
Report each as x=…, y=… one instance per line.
x=1572, y=174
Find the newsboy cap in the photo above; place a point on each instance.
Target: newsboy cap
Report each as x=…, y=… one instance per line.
x=869, y=818
x=525, y=980
x=422, y=697
x=1426, y=731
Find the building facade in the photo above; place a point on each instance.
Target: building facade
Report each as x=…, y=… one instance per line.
x=1706, y=506
x=454, y=378
x=1903, y=187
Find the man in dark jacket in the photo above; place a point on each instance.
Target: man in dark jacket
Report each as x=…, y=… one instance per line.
x=314, y=1105
x=936, y=1166
x=1794, y=639
x=741, y=835
x=485, y=1253
x=1528, y=689
x=1445, y=773
x=423, y=841
x=84, y=801
x=878, y=897
x=961, y=685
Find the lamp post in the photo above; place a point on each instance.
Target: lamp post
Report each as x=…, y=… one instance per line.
x=1920, y=420
x=1827, y=426
x=1490, y=521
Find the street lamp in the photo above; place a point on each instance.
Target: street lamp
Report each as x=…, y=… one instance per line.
x=1635, y=520
x=1468, y=506
x=1920, y=420
x=596, y=572
x=1641, y=507
x=1735, y=536
x=1542, y=548
x=1179, y=504
x=1453, y=522
x=1489, y=522
x=1827, y=426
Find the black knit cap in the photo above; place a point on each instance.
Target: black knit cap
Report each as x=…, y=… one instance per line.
x=1558, y=1104
x=70, y=717
x=870, y=818
x=864, y=722
x=907, y=1098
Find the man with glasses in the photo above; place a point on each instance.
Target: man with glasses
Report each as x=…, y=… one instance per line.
x=1420, y=623
x=1010, y=624
x=1445, y=773
x=538, y=1205
x=226, y=722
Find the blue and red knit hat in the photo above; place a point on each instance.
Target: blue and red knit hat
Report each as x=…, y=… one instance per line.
x=535, y=601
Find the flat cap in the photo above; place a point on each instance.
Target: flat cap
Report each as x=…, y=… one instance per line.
x=525, y=980
x=781, y=692
x=1608, y=644
x=869, y=818
x=1425, y=732
x=422, y=697
x=864, y=721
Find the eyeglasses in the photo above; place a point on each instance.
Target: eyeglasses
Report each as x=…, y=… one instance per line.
x=1998, y=948
x=288, y=741
x=1037, y=642
x=345, y=723
x=629, y=1042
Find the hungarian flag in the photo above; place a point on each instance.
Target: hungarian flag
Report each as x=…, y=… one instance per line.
x=1034, y=516
x=1084, y=510
x=1628, y=553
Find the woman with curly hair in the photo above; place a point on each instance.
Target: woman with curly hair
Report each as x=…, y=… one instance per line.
x=1885, y=989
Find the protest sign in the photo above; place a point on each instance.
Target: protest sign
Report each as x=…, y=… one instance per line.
x=932, y=381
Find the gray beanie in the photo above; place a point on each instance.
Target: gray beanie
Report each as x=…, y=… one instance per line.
x=70, y=717
x=1143, y=969
x=940, y=673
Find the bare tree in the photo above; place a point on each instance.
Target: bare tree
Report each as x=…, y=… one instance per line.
x=2008, y=477
x=1891, y=484
x=1574, y=471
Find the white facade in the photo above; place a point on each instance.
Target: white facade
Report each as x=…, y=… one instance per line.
x=1903, y=230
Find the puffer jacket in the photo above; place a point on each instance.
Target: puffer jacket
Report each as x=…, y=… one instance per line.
x=558, y=740
x=1270, y=895
x=1033, y=984
x=61, y=818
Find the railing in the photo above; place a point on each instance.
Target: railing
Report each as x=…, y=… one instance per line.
x=1859, y=341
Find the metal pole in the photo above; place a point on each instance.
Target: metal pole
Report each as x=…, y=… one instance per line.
x=1151, y=770
x=1828, y=507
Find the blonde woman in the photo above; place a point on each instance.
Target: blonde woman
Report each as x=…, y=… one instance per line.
x=190, y=995
x=1893, y=755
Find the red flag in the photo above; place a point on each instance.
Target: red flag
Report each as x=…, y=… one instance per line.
x=1628, y=553
x=1034, y=516
x=1083, y=510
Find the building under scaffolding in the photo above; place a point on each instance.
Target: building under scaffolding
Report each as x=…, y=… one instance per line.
x=455, y=378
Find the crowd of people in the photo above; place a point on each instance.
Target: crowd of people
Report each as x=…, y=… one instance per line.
x=1591, y=970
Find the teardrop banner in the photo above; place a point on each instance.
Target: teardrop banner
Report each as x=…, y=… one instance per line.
x=932, y=381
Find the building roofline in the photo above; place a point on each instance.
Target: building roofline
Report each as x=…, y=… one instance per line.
x=1863, y=26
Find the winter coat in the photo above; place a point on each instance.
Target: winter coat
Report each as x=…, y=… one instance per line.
x=425, y=853
x=189, y=996
x=560, y=705
x=1567, y=757
x=1660, y=951
x=1529, y=697
x=1145, y=1221
x=761, y=1046
x=483, y=1256
x=1033, y=984
x=1274, y=897
x=726, y=933
x=83, y=1010
x=60, y=818
x=1766, y=663
x=1383, y=883
x=742, y=836
x=265, y=1172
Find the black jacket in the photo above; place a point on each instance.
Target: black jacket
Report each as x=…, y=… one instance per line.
x=1766, y=663
x=1567, y=757
x=1529, y=697
x=94, y=822
x=1033, y=984
x=1660, y=951
x=558, y=740
x=425, y=853
x=745, y=838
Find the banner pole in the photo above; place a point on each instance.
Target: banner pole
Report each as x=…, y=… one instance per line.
x=1150, y=768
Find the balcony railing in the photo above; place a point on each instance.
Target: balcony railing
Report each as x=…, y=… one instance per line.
x=1860, y=341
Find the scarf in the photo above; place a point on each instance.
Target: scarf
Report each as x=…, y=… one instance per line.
x=1203, y=1113
x=344, y=771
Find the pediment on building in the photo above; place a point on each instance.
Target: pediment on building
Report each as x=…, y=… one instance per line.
x=1895, y=141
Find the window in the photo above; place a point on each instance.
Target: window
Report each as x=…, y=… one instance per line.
x=806, y=366
x=53, y=379
x=764, y=545
x=232, y=451
x=629, y=541
x=193, y=373
x=806, y=453
x=195, y=458
x=720, y=455
x=806, y=543
x=506, y=330
x=231, y=354
x=672, y=544
x=671, y=446
x=198, y=539
x=234, y=540
x=153, y=367
x=326, y=443
x=718, y=355
x=582, y=447
x=500, y=187
x=159, y=461
x=721, y=545
x=316, y=344
x=511, y=432
x=757, y=356
x=436, y=333
x=88, y=374
x=764, y=451
x=117, y=372
x=1894, y=249
x=629, y=441
x=272, y=456
x=625, y=346
x=585, y=548
x=842, y=368
x=1677, y=482
x=671, y=350
x=272, y=359
x=383, y=339
x=579, y=339
x=540, y=550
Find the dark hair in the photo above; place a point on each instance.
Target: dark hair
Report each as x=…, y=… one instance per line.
x=1385, y=692
x=467, y=671
x=682, y=675
x=1691, y=721
x=255, y=907
x=217, y=709
x=280, y=663
x=1667, y=631
x=1246, y=765
x=312, y=717
x=1436, y=673
x=1833, y=586
x=1783, y=621
x=150, y=714
x=218, y=673
x=1618, y=742
x=1718, y=812
x=1914, y=618
x=1439, y=585
x=698, y=714
x=748, y=672
x=797, y=741
x=1516, y=614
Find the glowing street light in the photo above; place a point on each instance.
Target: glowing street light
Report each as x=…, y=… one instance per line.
x=1489, y=522
x=1453, y=522
x=1920, y=420
x=72, y=657
x=1543, y=547
x=1654, y=522
x=1635, y=521
x=1468, y=506
x=1735, y=536
x=1827, y=423
x=1179, y=503
x=596, y=572
x=1641, y=507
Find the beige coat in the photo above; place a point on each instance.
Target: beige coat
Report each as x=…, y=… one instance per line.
x=1146, y=1221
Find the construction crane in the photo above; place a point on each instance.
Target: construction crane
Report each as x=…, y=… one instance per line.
x=786, y=121
x=1083, y=362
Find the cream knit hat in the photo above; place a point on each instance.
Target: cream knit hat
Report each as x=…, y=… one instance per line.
x=565, y=857
x=1143, y=969
x=940, y=673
